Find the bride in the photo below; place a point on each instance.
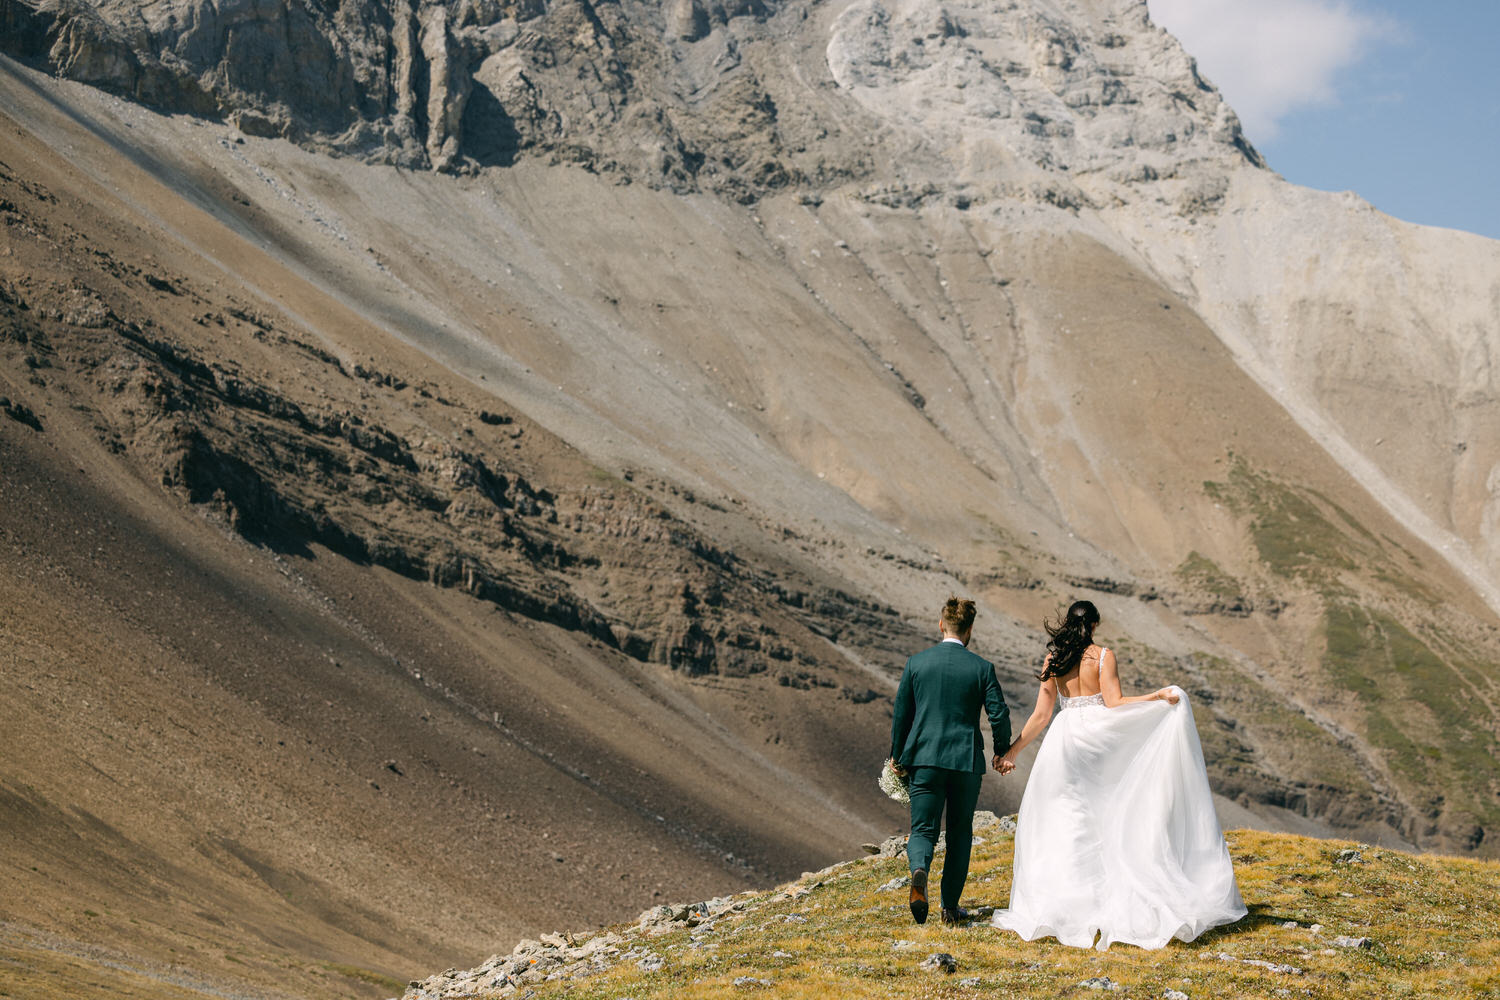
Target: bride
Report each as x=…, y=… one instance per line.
x=1117, y=838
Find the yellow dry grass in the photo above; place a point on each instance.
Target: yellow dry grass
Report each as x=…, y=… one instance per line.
x=1434, y=924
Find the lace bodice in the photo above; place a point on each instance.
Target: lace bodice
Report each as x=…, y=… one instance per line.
x=1083, y=700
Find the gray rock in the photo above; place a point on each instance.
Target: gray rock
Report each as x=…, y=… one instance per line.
x=900, y=882
x=651, y=963
x=1101, y=983
x=1171, y=994
x=1349, y=856
x=939, y=961
x=1289, y=970
x=989, y=823
x=1351, y=942
x=750, y=982
x=972, y=982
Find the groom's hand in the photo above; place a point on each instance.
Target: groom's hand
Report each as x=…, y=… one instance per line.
x=1004, y=764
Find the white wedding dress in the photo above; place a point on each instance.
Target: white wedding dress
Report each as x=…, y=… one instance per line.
x=1117, y=837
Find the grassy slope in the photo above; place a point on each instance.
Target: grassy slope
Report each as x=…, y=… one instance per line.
x=1434, y=923
x=1416, y=679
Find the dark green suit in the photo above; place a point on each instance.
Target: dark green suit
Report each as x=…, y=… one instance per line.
x=935, y=736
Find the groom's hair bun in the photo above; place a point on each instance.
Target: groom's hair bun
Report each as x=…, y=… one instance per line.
x=958, y=615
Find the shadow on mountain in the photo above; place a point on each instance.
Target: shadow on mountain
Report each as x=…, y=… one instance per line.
x=490, y=134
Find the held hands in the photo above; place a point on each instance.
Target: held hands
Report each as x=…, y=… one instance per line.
x=1003, y=764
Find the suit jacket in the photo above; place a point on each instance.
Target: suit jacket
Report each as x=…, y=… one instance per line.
x=936, y=719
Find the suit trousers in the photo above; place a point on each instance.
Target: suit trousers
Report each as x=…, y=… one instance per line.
x=933, y=790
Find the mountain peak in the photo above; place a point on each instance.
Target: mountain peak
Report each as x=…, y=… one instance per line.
x=1074, y=104
x=1092, y=99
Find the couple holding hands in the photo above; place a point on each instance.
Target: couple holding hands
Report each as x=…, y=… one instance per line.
x=1116, y=839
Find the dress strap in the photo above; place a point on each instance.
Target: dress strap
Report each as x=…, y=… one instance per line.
x=1099, y=662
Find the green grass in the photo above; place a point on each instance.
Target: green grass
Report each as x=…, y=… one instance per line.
x=1426, y=699
x=1293, y=530
x=1300, y=534
x=1419, y=709
x=1199, y=571
x=1434, y=921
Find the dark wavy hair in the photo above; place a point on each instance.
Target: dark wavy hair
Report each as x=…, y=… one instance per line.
x=1068, y=637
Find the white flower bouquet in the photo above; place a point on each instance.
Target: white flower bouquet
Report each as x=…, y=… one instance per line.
x=894, y=784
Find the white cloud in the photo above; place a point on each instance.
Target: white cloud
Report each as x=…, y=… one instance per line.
x=1270, y=57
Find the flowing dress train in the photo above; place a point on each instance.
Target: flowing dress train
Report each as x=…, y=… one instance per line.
x=1117, y=837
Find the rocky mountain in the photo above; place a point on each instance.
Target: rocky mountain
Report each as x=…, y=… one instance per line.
x=449, y=443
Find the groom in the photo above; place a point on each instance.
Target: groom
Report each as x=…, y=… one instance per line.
x=936, y=742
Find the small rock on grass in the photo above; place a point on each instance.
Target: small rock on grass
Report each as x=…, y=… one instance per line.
x=939, y=961
x=750, y=982
x=1290, y=970
x=1100, y=983
x=1171, y=994
x=972, y=982
x=1351, y=942
x=900, y=882
x=1349, y=856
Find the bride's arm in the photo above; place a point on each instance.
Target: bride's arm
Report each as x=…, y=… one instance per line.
x=1109, y=686
x=1046, y=699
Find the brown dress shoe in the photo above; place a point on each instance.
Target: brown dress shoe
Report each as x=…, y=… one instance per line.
x=918, y=895
x=955, y=917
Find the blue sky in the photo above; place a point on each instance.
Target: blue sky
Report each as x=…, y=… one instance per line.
x=1399, y=102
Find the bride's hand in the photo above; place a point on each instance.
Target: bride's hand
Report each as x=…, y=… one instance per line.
x=1167, y=695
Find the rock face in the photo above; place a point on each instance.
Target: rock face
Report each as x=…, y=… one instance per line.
x=859, y=131
x=447, y=85
x=1086, y=104
x=426, y=507
x=1074, y=104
